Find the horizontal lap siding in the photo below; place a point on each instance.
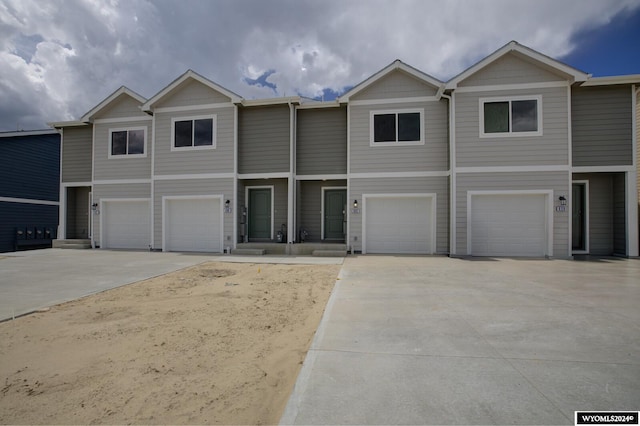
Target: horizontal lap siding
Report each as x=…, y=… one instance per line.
x=223, y=187
x=310, y=206
x=619, y=215
x=549, y=149
x=437, y=185
x=193, y=92
x=397, y=84
x=602, y=122
x=556, y=181
x=321, y=141
x=21, y=215
x=125, y=107
x=120, y=167
x=137, y=190
x=76, y=154
x=600, y=212
x=280, y=200
x=30, y=167
x=432, y=156
x=510, y=69
x=218, y=160
x=264, y=139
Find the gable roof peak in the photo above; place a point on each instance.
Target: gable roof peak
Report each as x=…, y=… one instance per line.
x=88, y=117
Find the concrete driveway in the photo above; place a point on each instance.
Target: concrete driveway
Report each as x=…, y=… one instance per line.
x=431, y=340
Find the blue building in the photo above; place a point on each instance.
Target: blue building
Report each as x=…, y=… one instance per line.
x=29, y=189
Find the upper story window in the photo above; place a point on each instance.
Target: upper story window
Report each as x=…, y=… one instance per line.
x=512, y=116
x=127, y=142
x=194, y=133
x=397, y=127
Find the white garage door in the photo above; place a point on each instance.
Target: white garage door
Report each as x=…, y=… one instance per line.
x=126, y=224
x=398, y=225
x=508, y=225
x=193, y=225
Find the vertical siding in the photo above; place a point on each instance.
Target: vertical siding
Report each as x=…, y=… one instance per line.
x=432, y=156
x=192, y=92
x=30, y=167
x=120, y=167
x=19, y=215
x=123, y=106
x=76, y=154
x=619, y=215
x=397, y=84
x=438, y=185
x=321, y=141
x=280, y=200
x=602, y=126
x=509, y=69
x=138, y=190
x=223, y=187
x=218, y=160
x=263, y=139
x=558, y=182
x=552, y=148
x=310, y=206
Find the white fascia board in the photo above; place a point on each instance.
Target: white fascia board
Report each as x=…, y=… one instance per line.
x=271, y=101
x=29, y=133
x=111, y=98
x=189, y=74
x=612, y=80
x=513, y=46
x=63, y=124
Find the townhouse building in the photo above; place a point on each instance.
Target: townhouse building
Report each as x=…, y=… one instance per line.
x=519, y=155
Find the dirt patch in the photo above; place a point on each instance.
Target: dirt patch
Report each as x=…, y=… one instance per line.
x=218, y=343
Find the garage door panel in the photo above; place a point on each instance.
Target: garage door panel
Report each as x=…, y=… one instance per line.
x=398, y=225
x=508, y=225
x=126, y=224
x=193, y=225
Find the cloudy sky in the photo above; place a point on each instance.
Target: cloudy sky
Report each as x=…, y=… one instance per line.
x=59, y=58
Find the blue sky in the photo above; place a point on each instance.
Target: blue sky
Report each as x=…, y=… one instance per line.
x=60, y=58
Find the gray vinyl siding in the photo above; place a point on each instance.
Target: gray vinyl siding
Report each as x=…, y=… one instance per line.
x=602, y=121
x=192, y=92
x=223, y=187
x=137, y=190
x=280, y=202
x=600, y=212
x=556, y=181
x=552, y=148
x=120, y=167
x=218, y=160
x=509, y=69
x=397, y=84
x=619, y=215
x=321, y=141
x=264, y=139
x=432, y=156
x=124, y=107
x=76, y=154
x=432, y=185
x=310, y=206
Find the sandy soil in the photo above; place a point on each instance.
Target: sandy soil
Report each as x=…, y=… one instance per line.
x=218, y=343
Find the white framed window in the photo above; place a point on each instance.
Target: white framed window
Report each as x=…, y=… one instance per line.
x=128, y=142
x=396, y=127
x=189, y=133
x=511, y=116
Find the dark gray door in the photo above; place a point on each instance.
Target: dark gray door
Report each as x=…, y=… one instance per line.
x=259, y=214
x=579, y=219
x=335, y=202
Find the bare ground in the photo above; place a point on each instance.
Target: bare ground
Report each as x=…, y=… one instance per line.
x=218, y=343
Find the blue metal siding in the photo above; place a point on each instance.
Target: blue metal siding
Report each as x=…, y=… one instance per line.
x=19, y=215
x=30, y=167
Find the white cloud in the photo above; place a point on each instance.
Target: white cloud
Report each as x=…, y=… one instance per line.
x=59, y=58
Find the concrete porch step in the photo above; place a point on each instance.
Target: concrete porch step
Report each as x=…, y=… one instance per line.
x=78, y=244
x=329, y=253
x=249, y=251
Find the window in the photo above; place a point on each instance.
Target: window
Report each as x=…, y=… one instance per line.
x=194, y=133
x=127, y=142
x=397, y=127
x=511, y=116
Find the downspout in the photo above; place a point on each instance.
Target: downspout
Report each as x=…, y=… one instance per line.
x=452, y=176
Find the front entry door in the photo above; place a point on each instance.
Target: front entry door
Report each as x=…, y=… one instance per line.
x=335, y=205
x=579, y=219
x=259, y=214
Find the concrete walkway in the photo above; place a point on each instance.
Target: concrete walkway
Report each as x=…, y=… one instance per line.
x=32, y=280
x=430, y=340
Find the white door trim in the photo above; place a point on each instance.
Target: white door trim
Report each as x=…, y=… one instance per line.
x=166, y=198
x=548, y=193
x=586, y=218
x=324, y=188
x=246, y=204
x=431, y=196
